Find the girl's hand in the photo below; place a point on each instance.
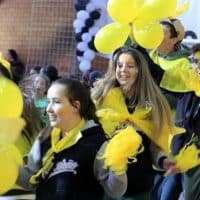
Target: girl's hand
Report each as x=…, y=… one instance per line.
x=170, y=167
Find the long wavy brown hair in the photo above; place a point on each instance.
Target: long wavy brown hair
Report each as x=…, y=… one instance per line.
x=144, y=91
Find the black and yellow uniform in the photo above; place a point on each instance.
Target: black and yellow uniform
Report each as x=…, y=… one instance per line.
x=69, y=176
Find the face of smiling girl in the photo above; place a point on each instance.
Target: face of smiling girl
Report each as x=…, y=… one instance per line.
x=126, y=70
x=62, y=114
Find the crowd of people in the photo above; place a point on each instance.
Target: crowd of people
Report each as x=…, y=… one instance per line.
x=107, y=136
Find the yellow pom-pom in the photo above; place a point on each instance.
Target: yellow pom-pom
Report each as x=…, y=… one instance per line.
x=11, y=100
x=10, y=159
x=188, y=158
x=10, y=129
x=121, y=148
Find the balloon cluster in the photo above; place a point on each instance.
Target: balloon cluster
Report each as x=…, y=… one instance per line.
x=87, y=23
x=137, y=19
x=11, y=105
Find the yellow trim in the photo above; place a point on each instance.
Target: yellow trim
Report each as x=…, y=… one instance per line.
x=5, y=63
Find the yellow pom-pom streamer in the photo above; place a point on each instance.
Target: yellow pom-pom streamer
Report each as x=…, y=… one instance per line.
x=10, y=160
x=122, y=148
x=10, y=129
x=188, y=157
x=11, y=100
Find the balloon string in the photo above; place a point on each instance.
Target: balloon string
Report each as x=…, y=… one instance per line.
x=131, y=33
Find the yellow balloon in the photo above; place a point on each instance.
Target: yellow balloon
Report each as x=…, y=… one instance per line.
x=157, y=9
x=138, y=4
x=150, y=36
x=181, y=9
x=111, y=37
x=10, y=159
x=124, y=11
x=11, y=102
x=10, y=129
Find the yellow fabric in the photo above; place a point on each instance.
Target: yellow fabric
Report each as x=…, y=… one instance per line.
x=5, y=63
x=122, y=149
x=112, y=114
x=10, y=160
x=197, y=55
x=188, y=156
x=179, y=74
x=58, y=145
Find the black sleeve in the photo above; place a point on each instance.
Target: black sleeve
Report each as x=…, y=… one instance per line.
x=155, y=70
x=178, y=142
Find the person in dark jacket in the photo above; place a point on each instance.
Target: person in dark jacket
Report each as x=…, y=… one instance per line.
x=180, y=84
x=60, y=164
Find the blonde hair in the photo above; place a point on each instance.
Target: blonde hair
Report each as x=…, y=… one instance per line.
x=144, y=91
